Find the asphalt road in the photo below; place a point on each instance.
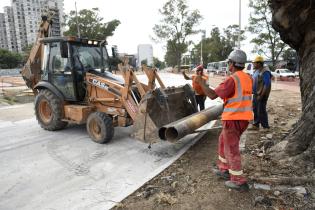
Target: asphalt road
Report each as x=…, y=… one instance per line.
x=66, y=170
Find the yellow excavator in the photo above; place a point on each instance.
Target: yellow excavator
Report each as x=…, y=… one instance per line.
x=73, y=82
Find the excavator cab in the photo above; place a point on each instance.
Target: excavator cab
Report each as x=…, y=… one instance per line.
x=65, y=62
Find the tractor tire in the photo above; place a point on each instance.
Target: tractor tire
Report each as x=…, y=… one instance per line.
x=49, y=111
x=100, y=127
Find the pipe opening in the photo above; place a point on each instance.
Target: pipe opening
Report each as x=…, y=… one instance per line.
x=171, y=133
x=162, y=133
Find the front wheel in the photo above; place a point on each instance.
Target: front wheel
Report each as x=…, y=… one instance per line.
x=49, y=111
x=100, y=127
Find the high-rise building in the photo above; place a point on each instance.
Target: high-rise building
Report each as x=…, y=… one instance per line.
x=3, y=34
x=55, y=11
x=145, y=54
x=23, y=18
x=10, y=29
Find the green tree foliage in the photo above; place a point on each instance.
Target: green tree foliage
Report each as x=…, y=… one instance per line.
x=289, y=54
x=144, y=62
x=218, y=46
x=267, y=41
x=291, y=58
x=158, y=64
x=177, y=24
x=171, y=54
x=9, y=60
x=90, y=24
x=231, y=35
x=26, y=52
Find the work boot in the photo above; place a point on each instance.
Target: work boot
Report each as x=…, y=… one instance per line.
x=232, y=185
x=253, y=128
x=225, y=175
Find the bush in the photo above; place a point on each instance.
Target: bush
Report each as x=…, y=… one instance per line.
x=9, y=60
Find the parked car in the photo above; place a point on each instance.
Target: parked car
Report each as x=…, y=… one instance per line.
x=283, y=74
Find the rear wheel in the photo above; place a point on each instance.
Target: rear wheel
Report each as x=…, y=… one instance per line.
x=100, y=127
x=49, y=111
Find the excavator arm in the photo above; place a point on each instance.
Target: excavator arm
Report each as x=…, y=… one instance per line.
x=31, y=71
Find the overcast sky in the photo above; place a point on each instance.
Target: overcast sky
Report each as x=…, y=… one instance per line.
x=138, y=17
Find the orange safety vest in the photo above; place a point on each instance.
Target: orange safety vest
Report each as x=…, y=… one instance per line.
x=239, y=106
x=196, y=86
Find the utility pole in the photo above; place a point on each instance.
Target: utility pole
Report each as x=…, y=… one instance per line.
x=202, y=37
x=76, y=17
x=239, y=24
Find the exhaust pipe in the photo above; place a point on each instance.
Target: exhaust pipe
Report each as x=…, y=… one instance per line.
x=180, y=128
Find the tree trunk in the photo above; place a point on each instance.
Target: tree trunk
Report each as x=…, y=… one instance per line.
x=179, y=61
x=294, y=19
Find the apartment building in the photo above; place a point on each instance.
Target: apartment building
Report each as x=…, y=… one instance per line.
x=10, y=29
x=3, y=34
x=23, y=17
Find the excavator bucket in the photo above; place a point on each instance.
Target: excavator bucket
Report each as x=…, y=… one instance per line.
x=160, y=107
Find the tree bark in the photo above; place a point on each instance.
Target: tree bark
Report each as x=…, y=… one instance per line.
x=294, y=19
x=179, y=61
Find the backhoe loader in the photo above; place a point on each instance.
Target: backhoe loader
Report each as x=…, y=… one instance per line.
x=73, y=83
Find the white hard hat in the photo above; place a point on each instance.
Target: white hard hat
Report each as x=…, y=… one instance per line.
x=239, y=57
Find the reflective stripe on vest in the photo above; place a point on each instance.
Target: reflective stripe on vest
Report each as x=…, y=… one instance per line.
x=243, y=109
x=223, y=160
x=240, y=96
x=236, y=173
x=239, y=107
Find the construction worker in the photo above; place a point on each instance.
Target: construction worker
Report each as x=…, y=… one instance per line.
x=261, y=90
x=199, y=94
x=236, y=92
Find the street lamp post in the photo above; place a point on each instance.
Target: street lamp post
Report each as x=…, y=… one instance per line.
x=201, y=60
x=76, y=18
x=239, y=24
x=202, y=37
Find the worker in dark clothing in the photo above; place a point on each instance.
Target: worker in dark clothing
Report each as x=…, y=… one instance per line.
x=199, y=94
x=236, y=92
x=261, y=90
